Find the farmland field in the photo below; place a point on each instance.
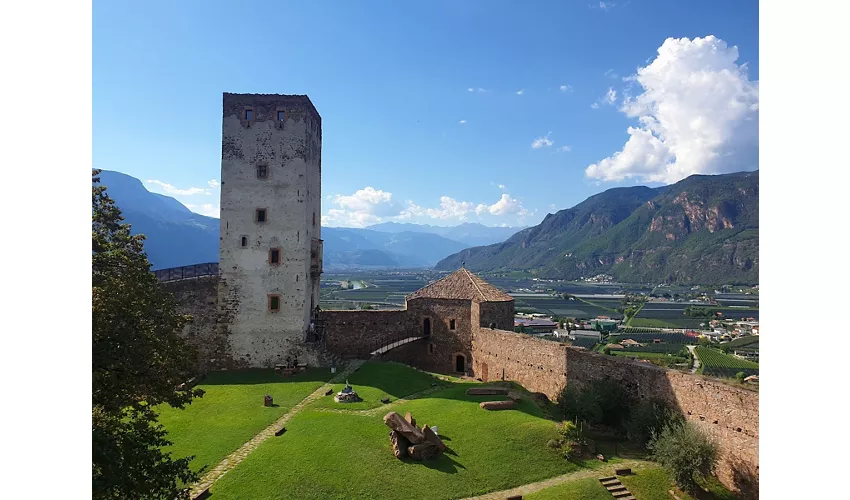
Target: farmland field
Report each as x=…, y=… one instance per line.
x=585, y=342
x=751, y=342
x=558, y=306
x=648, y=338
x=717, y=364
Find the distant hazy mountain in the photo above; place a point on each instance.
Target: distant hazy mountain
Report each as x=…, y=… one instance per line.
x=174, y=235
x=468, y=233
x=349, y=247
x=703, y=229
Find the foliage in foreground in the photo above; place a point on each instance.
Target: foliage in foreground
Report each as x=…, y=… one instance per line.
x=688, y=453
x=650, y=417
x=138, y=360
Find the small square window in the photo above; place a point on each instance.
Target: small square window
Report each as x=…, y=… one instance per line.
x=281, y=116
x=274, y=303
x=249, y=114
x=262, y=172
x=274, y=256
x=244, y=241
x=261, y=215
x=451, y=324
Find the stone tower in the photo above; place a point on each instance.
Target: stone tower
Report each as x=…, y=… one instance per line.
x=270, y=253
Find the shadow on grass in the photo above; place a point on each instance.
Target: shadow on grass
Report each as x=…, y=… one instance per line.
x=443, y=463
x=252, y=376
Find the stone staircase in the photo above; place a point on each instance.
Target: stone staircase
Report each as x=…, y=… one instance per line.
x=616, y=488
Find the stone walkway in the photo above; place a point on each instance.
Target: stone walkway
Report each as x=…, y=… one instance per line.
x=237, y=456
x=530, y=488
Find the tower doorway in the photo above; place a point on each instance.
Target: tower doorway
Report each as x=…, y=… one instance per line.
x=460, y=363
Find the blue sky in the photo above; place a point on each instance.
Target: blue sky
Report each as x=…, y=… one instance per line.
x=435, y=112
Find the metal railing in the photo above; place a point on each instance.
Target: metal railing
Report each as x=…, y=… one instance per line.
x=186, y=272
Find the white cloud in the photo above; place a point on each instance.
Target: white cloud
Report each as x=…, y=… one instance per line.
x=542, y=142
x=479, y=89
x=462, y=122
x=565, y=88
x=505, y=206
x=610, y=96
x=450, y=209
x=564, y=149
x=612, y=74
x=213, y=183
x=366, y=206
x=553, y=207
x=502, y=187
x=698, y=113
x=470, y=89
x=169, y=189
x=595, y=105
x=607, y=5
x=520, y=92
x=207, y=209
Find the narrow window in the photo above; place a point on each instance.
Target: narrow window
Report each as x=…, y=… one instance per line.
x=262, y=172
x=314, y=219
x=430, y=348
x=249, y=114
x=261, y=215
x=244, y=241
x=281, y=116
x=274, y=303
x=451, y=324
x=274, y=256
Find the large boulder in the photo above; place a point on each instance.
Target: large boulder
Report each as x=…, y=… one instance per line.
x=423, y=451
x=400, y=444
x=486, y=391
x=498, y=405
x=432, y=437
x=397, y=423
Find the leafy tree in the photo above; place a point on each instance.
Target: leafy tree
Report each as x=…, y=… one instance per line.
x=704, y=341
x=600, y=402
x=687, y=452
x=740, y=377
x=138, y=361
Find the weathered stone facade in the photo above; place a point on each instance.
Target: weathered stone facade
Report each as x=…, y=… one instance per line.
x=270, y=246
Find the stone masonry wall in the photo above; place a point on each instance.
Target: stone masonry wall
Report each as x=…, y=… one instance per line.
x=355, y=333
x=539, y=365
x=500, y=313
x=729, y=414
x=444, y=344
x=198, y=297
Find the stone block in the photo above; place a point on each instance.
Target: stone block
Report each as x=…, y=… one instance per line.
x=498, y=405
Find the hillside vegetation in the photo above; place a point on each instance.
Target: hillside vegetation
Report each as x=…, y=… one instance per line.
x=703, y=229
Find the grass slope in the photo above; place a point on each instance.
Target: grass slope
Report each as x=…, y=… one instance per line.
x=376, y=381
x=343, y=454
x=232, y=412
x=583, y=489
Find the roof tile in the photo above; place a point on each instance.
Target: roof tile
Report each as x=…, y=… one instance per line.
x=461, y=285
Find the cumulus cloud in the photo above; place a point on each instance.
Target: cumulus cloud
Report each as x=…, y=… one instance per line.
x=506, y=205
x=520, y=92
x=169, y=189
x=565, y=88
x=595, y=105
x=366, y=206
x=697, y=114
x=213, y=183
x=207, y=209
x=542, y=142
x=502, y=187
x=462, y=122
x=610, y=96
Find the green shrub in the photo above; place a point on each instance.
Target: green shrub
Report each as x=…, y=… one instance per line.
x=600, y=402
x=687, y=452
x=649, y=417
x=739, y=377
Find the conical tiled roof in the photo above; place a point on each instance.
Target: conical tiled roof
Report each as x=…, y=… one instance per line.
x=462, y=285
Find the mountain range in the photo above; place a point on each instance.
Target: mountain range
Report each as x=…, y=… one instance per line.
x=176, y=236
x=703, y=229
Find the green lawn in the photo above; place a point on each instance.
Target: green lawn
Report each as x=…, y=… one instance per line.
x=654, y=484
x=347, y=454
x=583, y=489
x=232, y=412
x=376, y=381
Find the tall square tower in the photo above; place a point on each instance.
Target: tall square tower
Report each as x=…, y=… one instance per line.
x=270, y=253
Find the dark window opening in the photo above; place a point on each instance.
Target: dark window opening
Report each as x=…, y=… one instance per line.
x=244, y=241
x=430, y=348
x=426, y=327
x=249, y=114
x=460, y=363
x=261, y=215
x=262, y=172
x=274, y=303
x=314, y=219
x=281, y=116
x=274, y=256
x=451, y=324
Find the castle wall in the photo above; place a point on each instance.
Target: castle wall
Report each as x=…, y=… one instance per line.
x=353, y=334
x=729, y=414
x=290, y=194
x=198, y=297
x=444, y=344
x=538, y=365
x=499, y=313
